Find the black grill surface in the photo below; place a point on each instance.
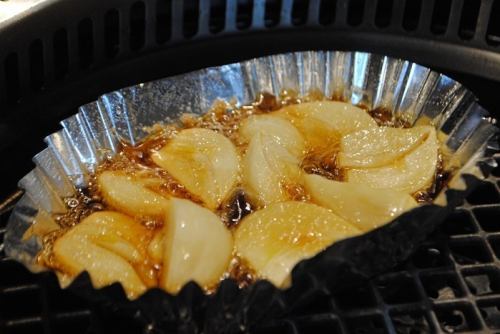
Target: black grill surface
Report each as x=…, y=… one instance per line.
x=69, y=52
x=450, y=285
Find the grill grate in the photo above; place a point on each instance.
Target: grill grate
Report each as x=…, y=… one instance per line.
x=56, y=62
x=451, y=284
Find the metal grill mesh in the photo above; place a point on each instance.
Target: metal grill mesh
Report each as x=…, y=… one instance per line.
x=451, y=284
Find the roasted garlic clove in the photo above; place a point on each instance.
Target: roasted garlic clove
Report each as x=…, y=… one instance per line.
x=280, y=130
x=272, y=158
x=366, y=208
x=129, y=195
x=196, y=246
x=413, y=172
x=274, y=239
x=379, y=146
x=325, y=122
x=202, y=160
x=110, y=246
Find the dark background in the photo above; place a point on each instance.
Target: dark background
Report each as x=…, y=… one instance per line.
x=67, y=53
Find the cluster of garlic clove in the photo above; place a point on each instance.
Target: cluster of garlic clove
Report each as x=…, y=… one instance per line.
x=384, y=167
x=192, y=243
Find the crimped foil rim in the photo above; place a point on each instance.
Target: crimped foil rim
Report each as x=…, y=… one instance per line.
x=407, y=89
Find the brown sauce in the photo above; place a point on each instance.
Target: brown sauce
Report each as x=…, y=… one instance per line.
x=295, y=192
x=440, y=182
x=235, y=209
x=384, y=117
x=323, y=162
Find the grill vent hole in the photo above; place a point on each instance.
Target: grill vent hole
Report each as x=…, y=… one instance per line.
x=273, y=11
x=442, y=286
x=490, y=310
x=244, y=14
x=191, y=11
x=457, y=318
x=440, y=16
x=410, y=322
x=485, y=193
x=383, y=14
x=468, y=20
x=217, y=16
x=459, y=222
x=137, y=25
x=327, y=11
x=488, y=218
x=112, y=32
x=11, y=67
x=355, y=12
x=163, y=20
x=85, y=43
x=493, y=34
x=472, y=251
x=483, y=281
x=36, y=64
x=411, y=15
x=299, y=11
x=60, y=53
